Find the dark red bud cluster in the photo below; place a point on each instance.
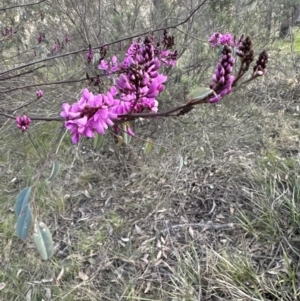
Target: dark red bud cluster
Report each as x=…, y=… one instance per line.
x=222, y=80
x=96, y=80
x=90, y=54
x=148, y=51
x=246, y=53
x=260, y=67
x=103, y=51
x=168, y=40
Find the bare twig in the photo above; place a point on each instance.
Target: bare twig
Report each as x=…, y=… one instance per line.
x=202, y=225
x=126, y=117
x=20, y=74
x=107, y=44
x=35, y=118
x=21, y=5
x=44, y=84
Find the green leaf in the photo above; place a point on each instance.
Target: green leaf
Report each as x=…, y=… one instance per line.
x=96, y=57
x=126, y=136
x=220, y=50
x=98, y=141
x=22, y=200
x=148, y=147
x=161, y=151
x=23, y=222
x=43, y=240
x=199, y=93
x=180, y=163
x=54, y=172
x=177, y=78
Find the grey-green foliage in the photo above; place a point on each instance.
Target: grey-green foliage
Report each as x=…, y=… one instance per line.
x=23, y=213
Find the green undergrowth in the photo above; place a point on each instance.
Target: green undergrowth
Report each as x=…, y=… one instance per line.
x=127, y=226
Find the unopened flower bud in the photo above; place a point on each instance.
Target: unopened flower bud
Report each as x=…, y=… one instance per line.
x=39, y=93
x=23, y=122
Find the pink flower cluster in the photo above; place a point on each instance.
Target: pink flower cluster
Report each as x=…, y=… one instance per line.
x=223, y=79
x=39, y=93
x=135, y=91
x=109, y=67
x=140, y=82
x=218, y=39
x=23, y=122
x=92, y=113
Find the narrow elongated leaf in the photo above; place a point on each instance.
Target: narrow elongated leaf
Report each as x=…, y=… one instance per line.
x=161, y=151
x=96, y=57
x=43, y=240
x=23, y=222
x=54, y=171
x=177, y=78
x=148, y=147
x=180, y=163
x=98, y=141
x=126, y=136
x=22, y=200
x=199, y=93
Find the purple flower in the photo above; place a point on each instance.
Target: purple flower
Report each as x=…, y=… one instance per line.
x=103, y=65
x=109, y=67
x=39, y=93
x=92, y=113
x=123, y=83
x=222, y=79
x=140, y=82
x=70, y=112
x=226, y=39
x=77, y=128
x=23, y=122
x=122, y=107
x=169, y=58
x=218, y=39
x=215, y=99
x=214, y=40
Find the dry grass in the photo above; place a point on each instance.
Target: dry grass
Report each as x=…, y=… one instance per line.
x=132, y=227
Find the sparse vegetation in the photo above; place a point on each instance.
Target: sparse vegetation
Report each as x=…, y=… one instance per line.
x=130, y=226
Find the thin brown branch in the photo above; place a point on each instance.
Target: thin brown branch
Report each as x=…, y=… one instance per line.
x=125, y=117
x=17, y=75
x=44, y=84
x=21, y=5
x=107, y=44
x=35, y=118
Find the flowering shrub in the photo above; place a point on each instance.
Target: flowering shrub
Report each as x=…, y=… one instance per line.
x=137, y=86
x=138, y=80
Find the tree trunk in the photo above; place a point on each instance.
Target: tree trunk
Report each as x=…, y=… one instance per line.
x=291, y=19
